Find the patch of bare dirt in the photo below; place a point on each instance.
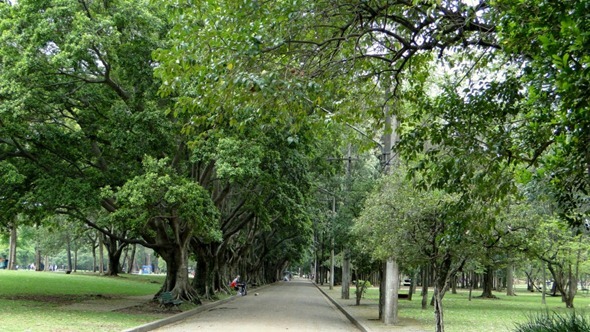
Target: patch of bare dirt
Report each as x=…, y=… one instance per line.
x=149, y=307
x=57, y=299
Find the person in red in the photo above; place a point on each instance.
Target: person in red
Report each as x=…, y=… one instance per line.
x=239, y=286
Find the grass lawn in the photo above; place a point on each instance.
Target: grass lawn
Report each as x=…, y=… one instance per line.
x=41, y=301
x=501, y=314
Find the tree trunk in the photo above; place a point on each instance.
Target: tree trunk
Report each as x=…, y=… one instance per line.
x=12, y=247
x=131, y=259
x=412, y=285
x=38, y=260
x=115, y=251
x=332, y=265
x=69, y=253
x=360, y=290
x=75, y=266
x=94, y=265
x=543, y=301
x=177, y=279
x=101, y=253
x=391, y=292
x=488, y=283
x=425, y=287
x=381, y=290
x=346, y=274
x=567, y=288
x=148, y=257
x=438, y=310
x=510, y=280
x=442, y=274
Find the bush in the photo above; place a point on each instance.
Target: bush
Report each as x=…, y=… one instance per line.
x=554, y=322
x=359, y=284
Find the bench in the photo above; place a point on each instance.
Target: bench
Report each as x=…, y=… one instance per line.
x=167, y=300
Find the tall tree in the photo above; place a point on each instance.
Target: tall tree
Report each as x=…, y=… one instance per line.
x=79, y=102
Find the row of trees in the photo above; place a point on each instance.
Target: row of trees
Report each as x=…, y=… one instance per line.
x=214, y=129
x=90, y=136
x=70, y=249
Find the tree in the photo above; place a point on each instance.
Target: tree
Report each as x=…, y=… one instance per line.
x=420, y=227
x=167, y=211
x=79, y=105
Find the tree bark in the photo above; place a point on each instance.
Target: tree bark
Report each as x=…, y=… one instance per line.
x=425, y=287
x=510, y=280
x=565, y=282
x=101, y=269
x=391, y=292
x=488, y=283
x=12, y=247
x=438, y=310
x=131, y=259
x=332, y=265
x=69, y=253
x=346, y=274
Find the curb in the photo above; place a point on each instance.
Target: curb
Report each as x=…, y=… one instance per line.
x=352, y=319
x=183, y=315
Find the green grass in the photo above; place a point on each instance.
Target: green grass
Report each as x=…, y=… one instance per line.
x=501, y=314
x=36, y=301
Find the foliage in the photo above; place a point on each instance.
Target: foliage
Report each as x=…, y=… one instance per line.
x=554, y=71
x=554, y=322
x=160, y=194
x=411, y=224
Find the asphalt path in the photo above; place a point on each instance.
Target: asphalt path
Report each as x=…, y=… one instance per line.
x=295, y=305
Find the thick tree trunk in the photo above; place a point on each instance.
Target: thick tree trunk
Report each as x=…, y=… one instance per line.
x=488, y=283
x=391, y=292
x=115, y=251
x=177, y=279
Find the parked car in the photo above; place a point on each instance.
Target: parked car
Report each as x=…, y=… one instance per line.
x=407, y=282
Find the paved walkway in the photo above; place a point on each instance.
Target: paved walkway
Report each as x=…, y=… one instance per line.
x=295, y=305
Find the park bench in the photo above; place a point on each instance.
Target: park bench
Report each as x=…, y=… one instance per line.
x=167, y=300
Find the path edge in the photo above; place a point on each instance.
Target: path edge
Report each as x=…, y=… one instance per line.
x=352, y=319
x=184, y=315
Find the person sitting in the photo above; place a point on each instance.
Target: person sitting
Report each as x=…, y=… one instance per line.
x=239, y=286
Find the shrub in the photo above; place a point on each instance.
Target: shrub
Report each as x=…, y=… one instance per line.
x=554, y=322
x=360, y=283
